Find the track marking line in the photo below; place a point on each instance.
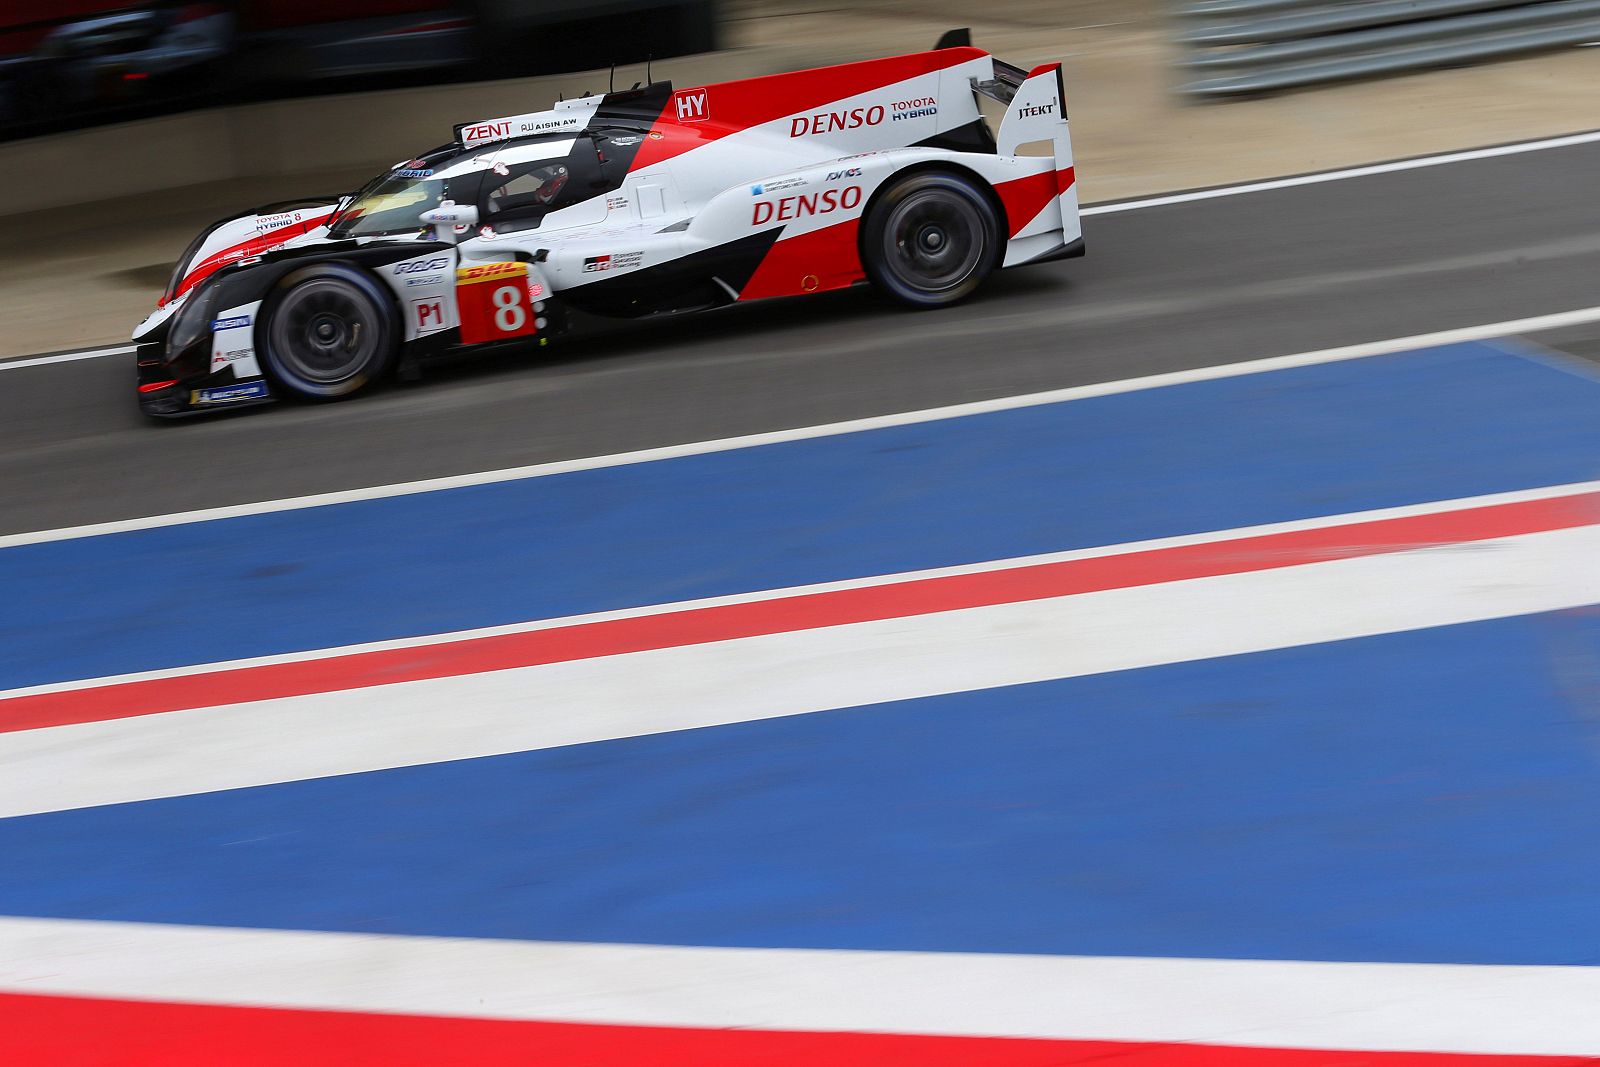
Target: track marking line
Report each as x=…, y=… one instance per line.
x=636, y=688
x=986, y=584
x=1417, y=163
x=1381, y=1007
x=1486, y=331
x=65, y=357
x=1128, y=548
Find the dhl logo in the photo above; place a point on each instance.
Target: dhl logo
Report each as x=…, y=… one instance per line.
x=490, y=272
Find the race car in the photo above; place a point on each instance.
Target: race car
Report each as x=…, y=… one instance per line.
x=649, y=201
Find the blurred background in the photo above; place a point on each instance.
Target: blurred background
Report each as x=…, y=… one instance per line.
x=69, y=63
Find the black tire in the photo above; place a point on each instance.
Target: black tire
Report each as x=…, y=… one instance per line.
x=930, y=239
x=328, y=332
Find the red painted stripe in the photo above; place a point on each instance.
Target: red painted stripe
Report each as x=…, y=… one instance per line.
x=804, y=611
x=252, y=246
x=74, y=1031
x=1024, y=198
x=813, y=262
x=739, y=105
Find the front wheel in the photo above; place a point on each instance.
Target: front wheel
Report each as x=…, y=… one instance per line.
x=329, y=331
x=930, y=239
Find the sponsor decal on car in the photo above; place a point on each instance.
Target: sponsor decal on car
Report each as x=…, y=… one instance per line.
x=415, y=172
x=482, y=132
x=771, y=187
x=616, y=261
x=616, y=203
x=228, y=394
x=281, y=219
x=834, y=121
x=222, y=359
x=788, y=208
x=692, y=105
x=490, y=272
x=414, y=266
x=838, y=175
x=921, y=107
x=624, y=142
x=235, y=323
x=568, y=122
x=1035, y=110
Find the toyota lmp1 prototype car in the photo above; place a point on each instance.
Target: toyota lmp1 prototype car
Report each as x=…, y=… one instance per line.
x=632, y=203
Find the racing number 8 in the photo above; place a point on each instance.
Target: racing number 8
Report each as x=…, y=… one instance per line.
x=495, y=302
x=509, y=315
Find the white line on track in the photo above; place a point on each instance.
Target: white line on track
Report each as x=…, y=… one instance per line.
x=1486, y=331
x=1384, y=1007
x=1354, y=518
x=1369, y=170
x=65, y=357
x=236, y=745
x=1466, y=156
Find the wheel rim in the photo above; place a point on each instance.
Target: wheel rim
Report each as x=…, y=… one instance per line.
x=933, y=240
x=324, y=332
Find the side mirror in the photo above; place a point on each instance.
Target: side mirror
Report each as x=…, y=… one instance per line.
x=450, y=221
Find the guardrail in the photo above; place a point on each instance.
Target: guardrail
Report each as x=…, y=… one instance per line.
x=1243, y=47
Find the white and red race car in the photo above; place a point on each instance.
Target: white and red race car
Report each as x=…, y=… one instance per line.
x=632, y=203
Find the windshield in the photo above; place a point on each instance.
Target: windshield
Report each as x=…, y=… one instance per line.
x=391, y=203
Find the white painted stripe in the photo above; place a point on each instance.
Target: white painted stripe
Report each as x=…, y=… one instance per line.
x=1432, y=507
x=1285, y=1004
x=750, y=679
x=1394, y=166
x=1486, y=331
x=65, y=357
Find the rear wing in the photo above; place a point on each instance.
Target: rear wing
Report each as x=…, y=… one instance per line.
x=1035, y=103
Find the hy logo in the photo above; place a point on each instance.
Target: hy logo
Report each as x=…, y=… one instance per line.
x=692, y=105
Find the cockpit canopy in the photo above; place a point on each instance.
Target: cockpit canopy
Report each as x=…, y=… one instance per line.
x=513, y=184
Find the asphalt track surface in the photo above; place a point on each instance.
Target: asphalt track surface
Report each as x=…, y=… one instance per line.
x=1162, y=289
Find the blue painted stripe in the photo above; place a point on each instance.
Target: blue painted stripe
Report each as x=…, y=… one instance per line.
x=1426, y=796
x=1450, y=422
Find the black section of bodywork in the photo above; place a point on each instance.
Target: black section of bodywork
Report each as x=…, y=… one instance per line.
x=238, y=285
x=974, y=136
x=695, y=282
x=1071, y=250
x=633, y=106
x=961, y=38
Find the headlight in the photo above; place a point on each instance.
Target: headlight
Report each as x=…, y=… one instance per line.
x=193, y=321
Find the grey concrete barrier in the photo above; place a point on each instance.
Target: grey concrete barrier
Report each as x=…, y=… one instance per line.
x=1243, y=47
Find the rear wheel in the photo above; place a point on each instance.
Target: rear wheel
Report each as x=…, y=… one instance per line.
x=329, y=331
x=930, y=239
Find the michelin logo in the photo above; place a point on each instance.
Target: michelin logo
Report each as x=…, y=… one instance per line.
x=229, y=393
